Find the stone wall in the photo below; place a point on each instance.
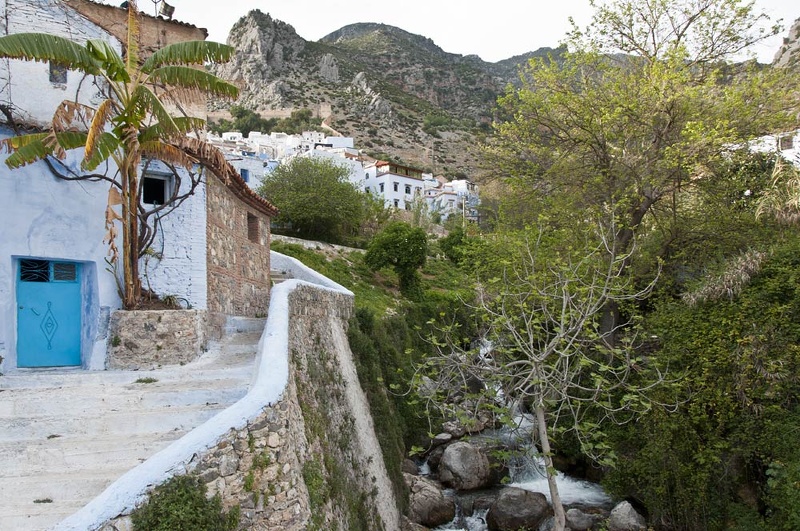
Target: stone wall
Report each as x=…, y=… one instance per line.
x=238, y=254
x=311, y=459
x=258, y=468
x=146, y=339
x=155, y=32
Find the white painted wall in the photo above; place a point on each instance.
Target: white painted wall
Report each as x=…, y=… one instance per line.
x=373, y=181
x=182, y=244
x=25, y=84
x=45, y=217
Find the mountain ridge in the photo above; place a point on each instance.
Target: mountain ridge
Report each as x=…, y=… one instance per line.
x=398, y=94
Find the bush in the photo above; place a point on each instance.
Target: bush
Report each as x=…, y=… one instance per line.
x=180, y=504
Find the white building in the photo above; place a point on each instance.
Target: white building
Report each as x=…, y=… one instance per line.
x=398, y=185
x=787, y=144
x=56, y=290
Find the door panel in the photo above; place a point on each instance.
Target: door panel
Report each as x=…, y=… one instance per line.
x=48, y=314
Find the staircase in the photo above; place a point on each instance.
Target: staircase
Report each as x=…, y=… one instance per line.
x=65, y=435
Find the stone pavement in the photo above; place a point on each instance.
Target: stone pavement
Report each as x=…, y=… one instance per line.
x=66, y=434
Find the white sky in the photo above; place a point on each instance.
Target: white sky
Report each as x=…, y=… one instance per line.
x=492, y=31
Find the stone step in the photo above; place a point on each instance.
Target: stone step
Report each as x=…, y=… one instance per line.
x=93, y=401
x=31, y=504
x=61, y=454
x=278, y=276
x=119, y=422
x=66, y=434
x=243, y=327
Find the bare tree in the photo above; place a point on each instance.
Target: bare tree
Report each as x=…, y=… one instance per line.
x=548, y=351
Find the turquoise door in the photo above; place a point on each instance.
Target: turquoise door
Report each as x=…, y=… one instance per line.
x=48, y=314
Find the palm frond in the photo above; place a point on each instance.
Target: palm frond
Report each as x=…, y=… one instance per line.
x=184, y=124
x=70, y=139
x=188, y=77
x=44, y=48
x=180, y=96
x=148, y=102
x=133, y=37
x=59, y=142
x=168, y=153
x=14, y=143
x=98, y=125
x=28, y=153
x=71, y=115
x=189, y=53
x=109, y=60
x=104, y=146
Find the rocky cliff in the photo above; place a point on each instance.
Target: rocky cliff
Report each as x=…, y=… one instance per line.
x=789, y=53
x=398, y=94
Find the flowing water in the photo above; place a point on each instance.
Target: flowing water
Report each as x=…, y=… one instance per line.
x=527, y=472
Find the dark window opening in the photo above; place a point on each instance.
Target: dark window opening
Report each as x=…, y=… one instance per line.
x=245, y=173
x=252, y=228
x=65, y=272
x=396, y=203
x=154, y=190
x=395, y=186
x=34, y=270
x=58, y=73
x=786, y=142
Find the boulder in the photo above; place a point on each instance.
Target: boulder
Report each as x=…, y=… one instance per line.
x=410, y=467
x=578, y=520
x=464, y=467
x=427, y=503
x=625, y=518
x=518, y=509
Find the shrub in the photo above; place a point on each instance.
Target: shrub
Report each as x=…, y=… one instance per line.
x=180, y=504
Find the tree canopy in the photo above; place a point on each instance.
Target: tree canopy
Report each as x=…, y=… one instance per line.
x=316, y=200
x=404, y=248
x=626, y=133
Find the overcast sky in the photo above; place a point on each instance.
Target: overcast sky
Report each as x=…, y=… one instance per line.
x=492, y=30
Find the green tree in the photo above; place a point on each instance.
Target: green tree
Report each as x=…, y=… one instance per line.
x=131, y=123
x=630, y=118
x=723, y=457
x=244, y=121
x=299, y=121
x=316, y=199
x=403, y=247
x=540, y=315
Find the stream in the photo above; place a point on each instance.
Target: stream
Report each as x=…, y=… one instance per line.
x=527, y=472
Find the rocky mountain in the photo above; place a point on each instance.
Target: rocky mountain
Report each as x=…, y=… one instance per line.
x=397, y=94
x=789, y=53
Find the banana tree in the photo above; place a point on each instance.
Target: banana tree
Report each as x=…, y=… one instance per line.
x=133, y=123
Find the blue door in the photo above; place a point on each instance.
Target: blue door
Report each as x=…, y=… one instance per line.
x=48, y=314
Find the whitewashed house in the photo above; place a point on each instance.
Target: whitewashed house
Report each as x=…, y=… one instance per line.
x=399, y=185
x=787, y=144
x=56, y=292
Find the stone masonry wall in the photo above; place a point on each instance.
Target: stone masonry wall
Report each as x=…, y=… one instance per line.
x=311, y=460
x=146, y=339
x=238, y=268
x=258, y=468
x=343, y=466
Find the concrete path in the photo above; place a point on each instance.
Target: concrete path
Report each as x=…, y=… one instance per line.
x=65, y=435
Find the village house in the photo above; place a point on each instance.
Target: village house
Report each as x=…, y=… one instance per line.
x=398, y=185
x=57, y=290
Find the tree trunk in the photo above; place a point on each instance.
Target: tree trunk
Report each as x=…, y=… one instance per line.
x=558, y=507
x=130, y=237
